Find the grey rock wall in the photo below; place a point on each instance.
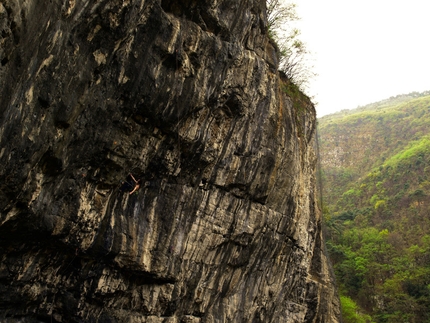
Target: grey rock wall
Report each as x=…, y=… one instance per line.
x=184, y=95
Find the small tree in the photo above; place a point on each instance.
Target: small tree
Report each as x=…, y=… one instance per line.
x=278, y=14
x=293, y=52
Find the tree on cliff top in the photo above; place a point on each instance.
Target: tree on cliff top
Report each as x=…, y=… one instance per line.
x=294, y=61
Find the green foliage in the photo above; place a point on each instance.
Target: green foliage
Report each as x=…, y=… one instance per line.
x=380, y=204
x=353, y=193
x=415, y=150
x=351, y=312
x=376, y=187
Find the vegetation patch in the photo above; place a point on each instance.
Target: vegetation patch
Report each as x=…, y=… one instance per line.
x=376, y=189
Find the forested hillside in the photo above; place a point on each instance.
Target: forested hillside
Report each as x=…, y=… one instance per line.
x=375, y=165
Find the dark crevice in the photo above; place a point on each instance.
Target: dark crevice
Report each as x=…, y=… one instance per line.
x=4, y=61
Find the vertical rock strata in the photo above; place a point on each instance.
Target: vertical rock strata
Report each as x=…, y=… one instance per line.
x=185, y=95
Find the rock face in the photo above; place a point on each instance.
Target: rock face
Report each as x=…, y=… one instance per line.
x=184, y=95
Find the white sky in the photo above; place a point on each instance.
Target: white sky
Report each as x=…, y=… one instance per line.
x=365, y=50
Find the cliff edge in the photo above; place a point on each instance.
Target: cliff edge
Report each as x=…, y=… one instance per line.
x=186, y=97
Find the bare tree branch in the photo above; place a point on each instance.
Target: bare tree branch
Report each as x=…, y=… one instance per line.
x=293, y=52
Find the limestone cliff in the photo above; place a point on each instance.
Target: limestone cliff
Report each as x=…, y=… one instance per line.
x=184, y=95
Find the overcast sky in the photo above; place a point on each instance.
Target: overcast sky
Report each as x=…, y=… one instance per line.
x=365, y=50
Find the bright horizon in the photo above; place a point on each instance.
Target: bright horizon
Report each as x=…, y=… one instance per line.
x=365, y=51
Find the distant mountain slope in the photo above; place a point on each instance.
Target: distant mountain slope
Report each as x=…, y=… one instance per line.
x=376, y=188
x=353, y=142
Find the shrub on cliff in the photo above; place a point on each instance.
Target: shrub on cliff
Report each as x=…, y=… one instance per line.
x=294, y=61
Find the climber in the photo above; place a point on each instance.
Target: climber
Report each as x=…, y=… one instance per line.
x=137, y=184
